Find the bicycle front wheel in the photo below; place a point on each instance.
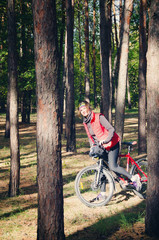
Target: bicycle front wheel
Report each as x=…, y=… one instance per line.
x=143, y=175
x=88, y=186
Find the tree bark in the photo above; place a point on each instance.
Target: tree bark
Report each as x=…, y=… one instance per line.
x=70, y=105
x=120, y=15
x=49, y=169
x=7, y=126
x=152, y=201
x=23, y=62
x=128, y=92
x=13, y=110
x=123, y=68
x=115, y=25
x=142, y=80
x=60, y=65
x=116, y=61
x=110, y=57
x=86, y=31
x=104, y=53
x=94, y=53
x=80, y=52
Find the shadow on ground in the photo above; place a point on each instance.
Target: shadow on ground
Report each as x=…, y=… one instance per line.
x=113, y=227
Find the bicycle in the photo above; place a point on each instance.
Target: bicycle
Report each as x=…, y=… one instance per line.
x=89, y=180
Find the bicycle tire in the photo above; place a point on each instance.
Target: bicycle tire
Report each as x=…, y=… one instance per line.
x=134, y=170
x=85, y=189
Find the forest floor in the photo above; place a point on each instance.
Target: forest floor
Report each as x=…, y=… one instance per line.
x=122, y=218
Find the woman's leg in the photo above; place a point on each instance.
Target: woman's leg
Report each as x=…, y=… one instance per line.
x=112, y=160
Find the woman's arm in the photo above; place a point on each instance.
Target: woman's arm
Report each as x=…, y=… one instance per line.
x=104, y=122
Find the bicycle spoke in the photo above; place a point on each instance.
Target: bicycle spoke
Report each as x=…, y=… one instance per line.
x=93, y=188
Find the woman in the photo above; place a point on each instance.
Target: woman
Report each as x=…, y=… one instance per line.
x=100, y=131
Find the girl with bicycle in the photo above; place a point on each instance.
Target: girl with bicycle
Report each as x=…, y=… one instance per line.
x=101, y=132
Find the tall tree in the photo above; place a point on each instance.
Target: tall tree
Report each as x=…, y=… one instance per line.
x=80, y=51
x=115, y=70
x=49, y=170
x=70, y=104
x=13, y=110
x=120, y=14
x=152, y=201
x=105, y=47
x=128, y=91
x=94, y=52
x=86, y=31
x=60, y=65
x=115, y=24
x=123, y=68
x=109, y=6
x=23, y=60
x=142, y=79
x=7, y=126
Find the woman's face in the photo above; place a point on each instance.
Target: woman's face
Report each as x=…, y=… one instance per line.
x=84, y=111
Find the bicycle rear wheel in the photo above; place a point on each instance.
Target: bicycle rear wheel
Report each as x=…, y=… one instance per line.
x=88, y=190
x=134, y=170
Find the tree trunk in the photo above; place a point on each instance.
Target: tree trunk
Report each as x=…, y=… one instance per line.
x=80, y=52
x=65, y=74
x=94, y=53
x=116, y=61
x=110, y=56
x=49, y=169
x=86, y=31
x=13, y=112
x=70, y=105
x=142, y=80
x=104, y=53
x=60, y=65
x=123, y=68
x=23, y=62
x=7, y=127
x=115, y=25
x=120, y=15
x=115, y=73
x=152, y=201
x=128, y=92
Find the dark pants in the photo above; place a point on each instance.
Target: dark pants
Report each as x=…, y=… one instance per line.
x=112, y=161
x=112, y=157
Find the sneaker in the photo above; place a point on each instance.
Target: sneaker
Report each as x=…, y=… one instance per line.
x=100, y=196
x=136, y=182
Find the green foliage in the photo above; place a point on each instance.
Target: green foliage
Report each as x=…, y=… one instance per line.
x=26, y=69
x=25, y=50
x=3, y=75
x=3, y=54
x=133, y=60
x=80, y=74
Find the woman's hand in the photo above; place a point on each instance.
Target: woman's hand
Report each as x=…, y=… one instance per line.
x=101, y=142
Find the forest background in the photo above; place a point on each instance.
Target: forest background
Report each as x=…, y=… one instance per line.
x=101, y=56
x=25, y=48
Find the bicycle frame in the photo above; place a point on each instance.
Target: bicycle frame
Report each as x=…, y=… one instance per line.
x=91, y=181
x=130, y=159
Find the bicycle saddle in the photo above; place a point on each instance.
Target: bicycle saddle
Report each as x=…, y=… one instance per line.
x=130, y=143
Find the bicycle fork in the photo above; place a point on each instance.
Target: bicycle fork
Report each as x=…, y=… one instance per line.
x=98, y=174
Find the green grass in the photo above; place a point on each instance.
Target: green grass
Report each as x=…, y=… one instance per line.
x=106, y=227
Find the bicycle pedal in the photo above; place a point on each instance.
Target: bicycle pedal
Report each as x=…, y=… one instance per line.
x=123, y=185
x=130, y=187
